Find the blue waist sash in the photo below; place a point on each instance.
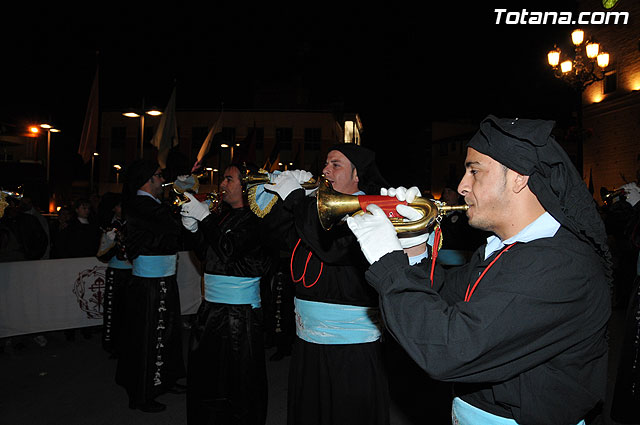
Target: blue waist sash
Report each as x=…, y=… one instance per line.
x=324, y=323
x=155, y=265
x=451, y=257
x=465, y=414
x=232, y=289
x=115, y=263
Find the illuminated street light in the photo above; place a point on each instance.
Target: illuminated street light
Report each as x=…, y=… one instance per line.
x=117, y=168
x=50, y=130
x=587, y=66
x=154, y=112
x=581, y=70
x=92, y=165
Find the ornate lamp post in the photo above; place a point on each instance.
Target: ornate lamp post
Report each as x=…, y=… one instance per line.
x=586, y=67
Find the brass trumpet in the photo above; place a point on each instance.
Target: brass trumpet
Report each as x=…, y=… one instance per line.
x=333, y=206
x=212, y=199
x=264, y=177
x=612, y=196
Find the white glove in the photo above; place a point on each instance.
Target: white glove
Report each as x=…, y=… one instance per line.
x=111, y=235
x=285, y=183
x=632, y=191
x=410, y=214
x=401, y=193
x=301, y=175
x=190, y=223
x=375, y=233
x=194, y=208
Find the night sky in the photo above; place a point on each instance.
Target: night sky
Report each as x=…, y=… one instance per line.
x=400, y=67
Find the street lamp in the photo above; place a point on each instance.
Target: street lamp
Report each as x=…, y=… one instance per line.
x=154, y=112
x=117, y=168
x=50, y=130
x=582, y=70
x=92, y=164
x=585, y=68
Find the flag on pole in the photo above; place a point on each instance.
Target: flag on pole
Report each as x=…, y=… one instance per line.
x=89, y=136
x=206, y=145
x=166, y=135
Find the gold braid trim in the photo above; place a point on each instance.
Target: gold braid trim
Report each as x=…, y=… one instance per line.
x=251, y=195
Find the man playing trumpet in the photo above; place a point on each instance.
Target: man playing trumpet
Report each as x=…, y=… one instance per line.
x=226, y=377
x=336, y=374
x=520, y=329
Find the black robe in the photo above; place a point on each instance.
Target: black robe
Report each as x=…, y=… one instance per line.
x=227, y=380
x=529, y=345
x=329, y=383
x=116, y=279
x=152, y=358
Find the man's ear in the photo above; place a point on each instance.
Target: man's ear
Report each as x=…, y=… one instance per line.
x=520, y=182
x=355, y=175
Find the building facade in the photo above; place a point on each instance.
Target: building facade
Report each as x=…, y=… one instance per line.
x=611, y=107
x=274, y=139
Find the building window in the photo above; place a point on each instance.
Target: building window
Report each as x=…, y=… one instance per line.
x=312, y=138
x=610, y=82
x=284, y=138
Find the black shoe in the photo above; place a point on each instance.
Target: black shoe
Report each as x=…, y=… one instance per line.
x=148, y=407
x=177, y=389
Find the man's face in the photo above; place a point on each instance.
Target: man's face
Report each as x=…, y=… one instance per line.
x=83, y=211
x=341, y=173
x=485, y=189
x=155, y=183
x=231, y=188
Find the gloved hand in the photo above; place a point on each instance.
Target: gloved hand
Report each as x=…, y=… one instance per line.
x=401, y=193
x=301, y=175
x=410, y=214
x=111, y=235
x=375, y=233
x=194, y=208
x=632, y=191
x=190, y=223
x=286, y=182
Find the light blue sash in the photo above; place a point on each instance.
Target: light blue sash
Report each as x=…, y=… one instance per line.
x=451, y=257
x=155, y=265
x=115, y=263
x=323, y=323
x=232, y=289
x=463, y=413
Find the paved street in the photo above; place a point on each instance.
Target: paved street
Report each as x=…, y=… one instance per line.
x=71, y=383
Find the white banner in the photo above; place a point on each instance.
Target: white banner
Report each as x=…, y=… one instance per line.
x=48, y=295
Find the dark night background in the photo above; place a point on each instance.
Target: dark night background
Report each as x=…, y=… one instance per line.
x=399, y=66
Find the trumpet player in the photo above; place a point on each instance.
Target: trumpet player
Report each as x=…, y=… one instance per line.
x=520, y=329
x=336, y=375
x=226, y=377
x=151, y=361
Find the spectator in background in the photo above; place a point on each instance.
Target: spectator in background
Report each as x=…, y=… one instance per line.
x=22, y=235
x=28, y=207
x=81, y=237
